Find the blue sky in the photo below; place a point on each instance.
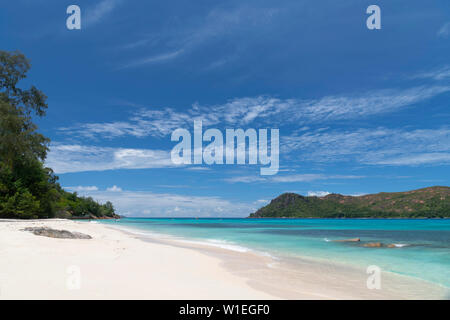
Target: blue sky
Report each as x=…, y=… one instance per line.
x=359, y=111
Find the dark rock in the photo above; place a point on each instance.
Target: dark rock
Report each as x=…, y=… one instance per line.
x=61, y=234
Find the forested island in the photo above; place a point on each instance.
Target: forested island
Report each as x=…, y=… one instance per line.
x=432, y=202
x=28, y=189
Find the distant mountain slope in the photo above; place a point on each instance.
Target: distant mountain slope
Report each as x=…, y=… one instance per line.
x=432, y=202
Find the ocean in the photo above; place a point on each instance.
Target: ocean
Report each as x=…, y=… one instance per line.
x=421, y=247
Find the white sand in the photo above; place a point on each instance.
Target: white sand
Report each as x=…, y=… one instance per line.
x=118, y=265
x=113, y=265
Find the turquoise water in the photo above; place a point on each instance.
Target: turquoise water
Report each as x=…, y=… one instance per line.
x=423, y=246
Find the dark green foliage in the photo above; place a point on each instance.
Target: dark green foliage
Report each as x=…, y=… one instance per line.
x=28, y=185
x=82, y=207
x=433, y=202
x=27, y=188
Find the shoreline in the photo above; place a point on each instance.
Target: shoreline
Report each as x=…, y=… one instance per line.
x=323, y=279
x=345, y=218
x=117, y=264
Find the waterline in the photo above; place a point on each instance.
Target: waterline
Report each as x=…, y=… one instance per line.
x=421, y=247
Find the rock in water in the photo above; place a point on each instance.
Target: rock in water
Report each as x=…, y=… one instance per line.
x=373, y=245
x=348, y=240
x=61, y=234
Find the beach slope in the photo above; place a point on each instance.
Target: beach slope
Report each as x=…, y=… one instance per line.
x=111, y=265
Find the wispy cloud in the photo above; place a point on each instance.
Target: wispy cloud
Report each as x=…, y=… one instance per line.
x=143, y=123
x=312, y=177
x=413, y=159
x=187, y=36
x=245, y=179
x=198, y=168
x=82, y=188
x=441, y=73
x=101, y=10
x=372, y=146
x=153, y=59
x=306, y=177
x=78, y=158
x=444, y=31
x=371, y=103
x=263, y=110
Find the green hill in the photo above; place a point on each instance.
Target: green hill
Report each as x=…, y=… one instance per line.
x=432, y=202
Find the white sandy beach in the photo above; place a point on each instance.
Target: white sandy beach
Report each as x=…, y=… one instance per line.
x=117, y=265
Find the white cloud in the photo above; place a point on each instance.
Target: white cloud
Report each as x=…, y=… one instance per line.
x=246, y=110
x=143, y=123
x=371, y=103
x=372, y=146
x=82, y=188
x=114, y=188
x=318, y=193
x=101, y=10
x=77, y=158
x=416, y=159
x=198, y=168
x=307, y=177
x=441, y=73
x=261, y=109
x=312, y=177
x=245, y=179
x=143, y=203
x=153, y=59
x=358, y=194
x=444, y=31
x=186, y=37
